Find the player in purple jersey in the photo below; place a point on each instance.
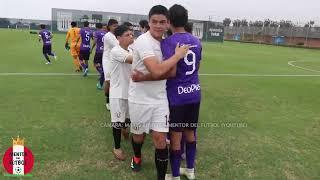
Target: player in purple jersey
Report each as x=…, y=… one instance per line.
x=98, y=42
x=184, y=92
x=46, y=37
x=85, y=36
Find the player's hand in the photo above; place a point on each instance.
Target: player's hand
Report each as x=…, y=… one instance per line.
x=67, y=46
x=137, y=76
x=181, y=51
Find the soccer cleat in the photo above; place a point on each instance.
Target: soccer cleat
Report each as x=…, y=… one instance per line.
x=135, y=166
x=48, y=62
x=189, y=173
x=85, y=73
x=99, y=86
x=170, y=177
x=108, y=106
x=119, y=154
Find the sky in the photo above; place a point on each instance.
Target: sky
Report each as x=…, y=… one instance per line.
x=299, y=11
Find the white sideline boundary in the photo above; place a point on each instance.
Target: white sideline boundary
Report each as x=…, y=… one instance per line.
x=233, y=75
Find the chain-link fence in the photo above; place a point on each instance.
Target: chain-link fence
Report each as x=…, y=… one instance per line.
x=293, y=36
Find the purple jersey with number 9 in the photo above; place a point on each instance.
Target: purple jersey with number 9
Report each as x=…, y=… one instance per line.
x=86, y=35
x=185, y=87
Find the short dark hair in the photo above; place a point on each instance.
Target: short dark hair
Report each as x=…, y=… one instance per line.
x=73, y=24
x=188, y=27
x=120, y=30
x=98, y=25
x=112, y=22
x=159, y=9
x=143, y=23
x=42, y=26
x=86, y=24
x=178, y=16
x=127, y=24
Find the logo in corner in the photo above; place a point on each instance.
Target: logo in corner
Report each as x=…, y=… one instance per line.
x=18, y=160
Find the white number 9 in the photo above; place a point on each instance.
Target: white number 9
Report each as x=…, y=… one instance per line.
x=190, y=63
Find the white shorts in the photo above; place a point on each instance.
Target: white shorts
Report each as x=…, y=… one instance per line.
x=119, y=110
x=145, y=117
x=106, y=64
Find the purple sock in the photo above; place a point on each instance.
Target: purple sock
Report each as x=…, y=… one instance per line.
x=175, y=158
x=190, y=154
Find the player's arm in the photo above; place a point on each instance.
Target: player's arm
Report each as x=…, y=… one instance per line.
x=78, y=39
x=138, y=76
x=161, y=70
x=121, y=57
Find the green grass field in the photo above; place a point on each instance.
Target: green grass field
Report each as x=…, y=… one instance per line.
x=63, y=117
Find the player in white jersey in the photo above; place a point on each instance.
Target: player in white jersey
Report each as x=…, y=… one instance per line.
x=148, y=103
x=121, y=59
x=109, y=41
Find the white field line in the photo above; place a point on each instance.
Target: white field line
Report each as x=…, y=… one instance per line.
x=290, y=63
x=235, y=75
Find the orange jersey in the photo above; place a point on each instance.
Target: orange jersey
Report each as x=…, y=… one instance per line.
x=73, y=34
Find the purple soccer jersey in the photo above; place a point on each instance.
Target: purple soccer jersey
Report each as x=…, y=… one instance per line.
x=185, y=87
x=98, y=35
x=46, y=37
x=86, y=35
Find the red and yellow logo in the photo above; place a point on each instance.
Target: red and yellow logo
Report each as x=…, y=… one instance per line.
x=18, y=160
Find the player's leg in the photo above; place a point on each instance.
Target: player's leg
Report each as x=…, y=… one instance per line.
x=140, y=115
x=118, y=109
x=191, y=146
x=45, y=54
x=105, y=65
x=82, y=55
x=98, y=65
x=177, y=115
x=160, y=128
x=75, y=56
x=50, y=53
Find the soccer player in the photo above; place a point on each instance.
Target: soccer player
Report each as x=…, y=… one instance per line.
x=184, y=92
x=46, y=37
x=109, y=42
x=98, y=40
x=144, y=26
x=73, y=35
x=148, y=103
x=85, y=36
x=121, y=59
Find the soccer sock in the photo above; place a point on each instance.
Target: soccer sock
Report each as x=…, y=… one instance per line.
x=161, y=161
x=76, y=63
x=47, y=57
x=116, y=130
x=175, y=159
x=191, y=154
x=52, y=54
x=136, y=148
x=107, y=97
x=83, y=64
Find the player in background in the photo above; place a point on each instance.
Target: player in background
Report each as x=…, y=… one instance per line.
x=98, y=42
x=72, y=35
x=144, y=26
x=121, y=59
x=85, y=37
x=148, y=103
x=184, y=93
x=46, y=37
x=109, y=41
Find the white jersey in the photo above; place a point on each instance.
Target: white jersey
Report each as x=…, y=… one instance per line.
x=120, y=72
x=109, y=42
x=146, y=92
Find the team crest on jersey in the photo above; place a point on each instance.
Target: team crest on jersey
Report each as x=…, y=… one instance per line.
x=18, y=160
x=118, y=114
